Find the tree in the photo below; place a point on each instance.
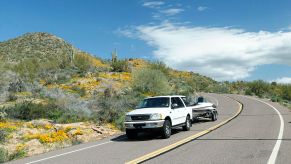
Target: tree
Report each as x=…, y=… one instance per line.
x=82, y=62
x=150, y=81
x=120, y=66
x=259, y=87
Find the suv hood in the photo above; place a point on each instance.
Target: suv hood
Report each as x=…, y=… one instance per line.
x=148, y=111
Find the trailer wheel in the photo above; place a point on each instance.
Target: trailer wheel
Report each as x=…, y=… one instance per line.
x=213, y=116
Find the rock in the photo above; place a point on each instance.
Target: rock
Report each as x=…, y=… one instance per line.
x=40, y=123
x=34, y=147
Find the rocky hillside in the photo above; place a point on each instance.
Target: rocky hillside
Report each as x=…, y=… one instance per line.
x=43, y=46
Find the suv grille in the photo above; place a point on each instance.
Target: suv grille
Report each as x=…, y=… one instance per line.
x=140, y=117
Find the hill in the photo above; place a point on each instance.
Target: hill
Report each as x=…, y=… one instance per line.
x=42, y=45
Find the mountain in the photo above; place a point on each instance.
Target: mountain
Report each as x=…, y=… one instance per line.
x=40, y=45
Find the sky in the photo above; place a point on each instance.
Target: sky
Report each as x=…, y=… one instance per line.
x=226, y=39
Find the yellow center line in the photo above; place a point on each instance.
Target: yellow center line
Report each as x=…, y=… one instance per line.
x=183, y=141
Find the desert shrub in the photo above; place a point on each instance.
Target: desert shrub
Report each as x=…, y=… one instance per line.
x=6, y=80
x=150, y=81
x=12, y=97
x=113, y=109
x=158, y=65
x=17, y=86
x=259, y=88
x=73, y=116
x=120, y=66
x=28, y=69
x=276, y=99
x=19, y=153
x=3, y=155
x=3, y=135
x=31, y=111
x=82, y=62
x=80, y=91
x=286, y=92
x=3, y=115
x=67, y=101
x=57, y=76
x=221, y=88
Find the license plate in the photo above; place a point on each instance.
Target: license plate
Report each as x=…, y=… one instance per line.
x=139, y=126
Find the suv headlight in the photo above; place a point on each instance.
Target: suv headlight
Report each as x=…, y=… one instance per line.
x=127, y=118
x=156, y=116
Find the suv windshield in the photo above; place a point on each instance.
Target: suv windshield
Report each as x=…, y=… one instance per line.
x=160, y=102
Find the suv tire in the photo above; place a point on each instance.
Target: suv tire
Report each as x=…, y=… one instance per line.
x=167, y=129
x=187, y=125
x=131, y=134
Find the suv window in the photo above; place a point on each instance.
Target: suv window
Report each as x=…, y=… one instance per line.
x=159, y=102
x=186, y=102
x=177, y=100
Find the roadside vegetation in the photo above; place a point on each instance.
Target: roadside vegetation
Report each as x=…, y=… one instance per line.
x=280, y=93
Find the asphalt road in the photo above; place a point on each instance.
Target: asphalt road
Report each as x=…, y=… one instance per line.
x=252, y=137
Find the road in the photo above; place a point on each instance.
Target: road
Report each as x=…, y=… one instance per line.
x=251, y=137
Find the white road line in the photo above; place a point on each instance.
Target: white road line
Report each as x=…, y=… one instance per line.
x=70, y=152
x=276, y=148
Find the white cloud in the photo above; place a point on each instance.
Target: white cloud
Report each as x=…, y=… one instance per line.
x=283, y=80
x=202, y=8
x=128, y=32
x=222, y=53
x=153, y=4
x=172, y=11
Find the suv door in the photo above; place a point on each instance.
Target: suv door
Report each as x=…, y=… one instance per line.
x=178, y=111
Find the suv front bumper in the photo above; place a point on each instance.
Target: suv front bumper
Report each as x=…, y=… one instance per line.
x=144, y=124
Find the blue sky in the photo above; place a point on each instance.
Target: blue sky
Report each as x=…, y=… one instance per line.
x=225, y=39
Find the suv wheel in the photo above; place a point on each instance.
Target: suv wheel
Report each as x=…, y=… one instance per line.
x=131, y=134
x=187, y=125
x=167, y=129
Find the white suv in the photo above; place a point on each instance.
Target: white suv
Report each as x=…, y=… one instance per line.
x=159, y=113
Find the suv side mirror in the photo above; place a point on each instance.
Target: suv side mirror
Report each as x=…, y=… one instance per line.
x=174, y=106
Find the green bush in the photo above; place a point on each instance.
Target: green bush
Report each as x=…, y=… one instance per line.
x=72, y=116
x=259, y=88
x=3, y=135
x=80, y=91
x=120, y=66
x=275, y=99
x=150, y=81
x=18, y=154
x=28, y=69
x=158, y=65
x=113, y=109
x=30, y=111
x=82, y=62
x=3, y=155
